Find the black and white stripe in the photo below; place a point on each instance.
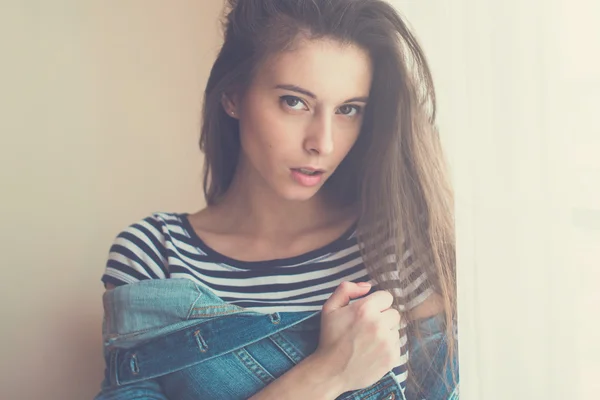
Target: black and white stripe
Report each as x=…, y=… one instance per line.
x=164, y=245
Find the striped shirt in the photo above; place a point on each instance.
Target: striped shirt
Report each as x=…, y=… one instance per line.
x=164, y=245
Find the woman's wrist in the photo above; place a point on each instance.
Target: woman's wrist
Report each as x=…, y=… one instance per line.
x=322, y=376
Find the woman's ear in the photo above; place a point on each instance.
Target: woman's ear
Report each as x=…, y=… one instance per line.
x=230, y=105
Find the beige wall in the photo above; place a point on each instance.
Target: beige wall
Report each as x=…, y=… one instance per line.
x=100, y=109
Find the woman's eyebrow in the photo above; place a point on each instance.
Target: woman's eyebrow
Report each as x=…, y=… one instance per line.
x=298, y=89
x=362, y=99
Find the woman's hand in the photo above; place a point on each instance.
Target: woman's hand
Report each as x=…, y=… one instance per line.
x=359, y=342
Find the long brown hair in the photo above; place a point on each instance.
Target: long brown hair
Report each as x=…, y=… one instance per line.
x=395, y=172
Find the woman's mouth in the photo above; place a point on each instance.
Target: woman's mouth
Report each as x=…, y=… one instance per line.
x=307, y=176
x=309, y=171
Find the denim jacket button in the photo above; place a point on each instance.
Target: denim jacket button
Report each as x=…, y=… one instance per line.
x=391, y=396
x=275, y=318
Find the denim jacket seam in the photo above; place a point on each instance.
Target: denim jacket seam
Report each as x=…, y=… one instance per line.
x=365, y=392
x=191, y=310
x=195, y=315
x=252, y=365
x=381, y=389
x=275, y=338
x=128, y=335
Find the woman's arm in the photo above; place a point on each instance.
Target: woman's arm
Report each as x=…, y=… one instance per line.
x=310, y=379
x=433, y=305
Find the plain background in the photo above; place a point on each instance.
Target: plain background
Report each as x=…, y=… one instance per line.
x=100, y=129
x=519, y=90
x=100, y=104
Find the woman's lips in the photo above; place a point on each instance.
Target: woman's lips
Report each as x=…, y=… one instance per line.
x=307, y=176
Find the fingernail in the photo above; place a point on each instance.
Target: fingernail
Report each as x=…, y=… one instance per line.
x=363, y=284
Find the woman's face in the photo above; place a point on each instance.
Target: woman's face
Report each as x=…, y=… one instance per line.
x=301, y=116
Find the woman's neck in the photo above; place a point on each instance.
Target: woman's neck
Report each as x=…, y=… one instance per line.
x=263, y=213
x=251, y=207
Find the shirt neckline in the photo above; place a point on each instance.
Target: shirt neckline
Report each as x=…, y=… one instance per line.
x=336, y=245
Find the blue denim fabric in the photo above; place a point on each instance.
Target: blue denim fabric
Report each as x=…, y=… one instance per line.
x=429, y=347
x=173, y=339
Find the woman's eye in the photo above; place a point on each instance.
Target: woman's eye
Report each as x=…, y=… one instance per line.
x=293, y=102
x=349, y=110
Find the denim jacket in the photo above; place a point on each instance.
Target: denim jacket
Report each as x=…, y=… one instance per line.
x=174, y=339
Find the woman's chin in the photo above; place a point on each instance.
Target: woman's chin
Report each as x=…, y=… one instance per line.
x=299, y=193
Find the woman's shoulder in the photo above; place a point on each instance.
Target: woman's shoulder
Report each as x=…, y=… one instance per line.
x=140, y=250
x=152, y=234
x=156, y=225
x=161, y=217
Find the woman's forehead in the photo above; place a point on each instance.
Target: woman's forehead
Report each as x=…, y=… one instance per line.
x=327, y=68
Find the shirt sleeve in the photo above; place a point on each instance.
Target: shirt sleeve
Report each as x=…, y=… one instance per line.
x=413, y=284
x=138, y=253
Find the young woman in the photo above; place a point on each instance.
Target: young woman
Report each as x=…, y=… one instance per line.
x=326, y=248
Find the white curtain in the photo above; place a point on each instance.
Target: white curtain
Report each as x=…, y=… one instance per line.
x=519, y=100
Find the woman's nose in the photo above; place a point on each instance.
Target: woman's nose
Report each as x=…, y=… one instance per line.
x=319, y=139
